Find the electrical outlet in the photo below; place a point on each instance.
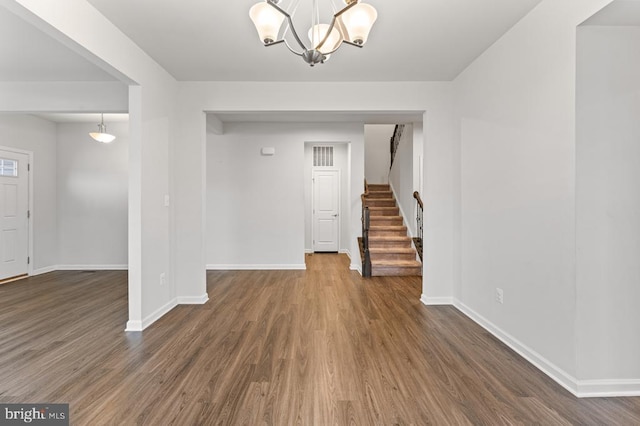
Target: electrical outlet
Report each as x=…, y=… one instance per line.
x=163, y=278
x=499, y=295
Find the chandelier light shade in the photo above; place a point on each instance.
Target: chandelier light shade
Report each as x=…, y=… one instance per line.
x=358, y=20
x=351, y=25
x=101, y=135
x=267, y=21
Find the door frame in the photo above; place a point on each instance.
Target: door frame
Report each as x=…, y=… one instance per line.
x=313, y=207
x=29, y=154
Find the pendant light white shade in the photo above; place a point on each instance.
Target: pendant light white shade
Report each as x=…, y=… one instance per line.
x=267, y=21
x=101, y=135
x=358, y=21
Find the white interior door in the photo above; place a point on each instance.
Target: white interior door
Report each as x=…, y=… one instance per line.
x=14, y=204
x=326, y=210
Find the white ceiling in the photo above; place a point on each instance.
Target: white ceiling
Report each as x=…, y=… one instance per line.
x=413, y=40
x=618, y=13
x=28, y=54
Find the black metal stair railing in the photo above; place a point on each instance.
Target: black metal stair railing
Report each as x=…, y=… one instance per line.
x=395, y=141
x=364, y=242
x=417, y=240
x=366, y=260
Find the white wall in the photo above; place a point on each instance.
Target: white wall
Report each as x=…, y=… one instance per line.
x=92, y=180
x=34, y=134
x=256, y=209
x=342, y=162
x=516, y=105
x=255, y=203
x=401, y=178
x=376, y=152
x=608, y=202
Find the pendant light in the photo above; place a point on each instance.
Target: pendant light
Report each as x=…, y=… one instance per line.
x=101, y=135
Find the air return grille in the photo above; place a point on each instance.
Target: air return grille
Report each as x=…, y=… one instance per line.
x=322, y=156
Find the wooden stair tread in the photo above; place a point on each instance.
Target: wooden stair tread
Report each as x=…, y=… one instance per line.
x=380, y=199
x=390, y=238
x=387, y=228
x=379, y=194
x=400, y=263
x=376, y=250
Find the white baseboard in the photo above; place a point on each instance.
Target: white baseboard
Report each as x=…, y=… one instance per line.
x=193, y=300
x=158, y=313
x=436, y=301
x=41, y=271
x=259, y=267
x=91, y=267
x=554, y=372
x=345, y=251
x=579, y=388
x=306, y=251
x=133, y=326
x=608, y=388
x=356, y=267
x=405, y=218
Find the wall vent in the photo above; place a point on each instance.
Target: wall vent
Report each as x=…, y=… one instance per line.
x=322, y=156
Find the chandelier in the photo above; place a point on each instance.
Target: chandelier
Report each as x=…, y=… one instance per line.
x=350, y=24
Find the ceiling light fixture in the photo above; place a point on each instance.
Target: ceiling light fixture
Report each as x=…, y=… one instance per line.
x=101, y=135
x=350, y=25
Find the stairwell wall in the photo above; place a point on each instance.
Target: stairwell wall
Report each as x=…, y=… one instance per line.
x=401, y=179
x=377, y=157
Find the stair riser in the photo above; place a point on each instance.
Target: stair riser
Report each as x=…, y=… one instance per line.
x=399, y=233
x=393, y=256
x=385, y=212
x=380, y=202
x=385, y=221
x=389, y=271
x=381, y=194
x=378, y=187
x=389, y=244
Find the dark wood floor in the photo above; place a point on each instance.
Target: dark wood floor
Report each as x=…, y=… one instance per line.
x=279, y=347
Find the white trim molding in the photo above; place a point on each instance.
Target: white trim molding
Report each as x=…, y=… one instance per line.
x=436, y=301
x=258, y=267
x=193, y=300
x=133, y=326
x=44, y=270
x=92, y=267
x=156, y=315
x=608, y=388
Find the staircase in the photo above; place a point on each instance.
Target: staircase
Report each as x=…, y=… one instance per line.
x=390, y=248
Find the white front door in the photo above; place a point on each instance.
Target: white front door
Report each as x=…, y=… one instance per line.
x=326, y=210
x=14, y=221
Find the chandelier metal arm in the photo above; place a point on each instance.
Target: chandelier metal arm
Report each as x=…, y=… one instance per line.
x=333, y=23
x=291, y=27
x=352, y=44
